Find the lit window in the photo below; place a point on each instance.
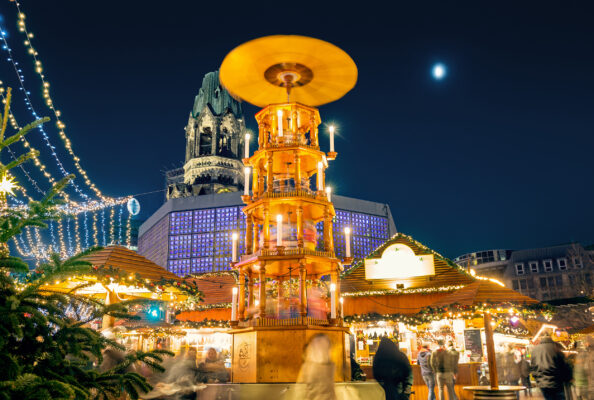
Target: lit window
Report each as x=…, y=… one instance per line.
x=548, y=265
x=520, y=269
x=533, y=266
x=562, y=264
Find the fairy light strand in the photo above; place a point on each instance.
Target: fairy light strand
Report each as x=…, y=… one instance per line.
x=50, y=103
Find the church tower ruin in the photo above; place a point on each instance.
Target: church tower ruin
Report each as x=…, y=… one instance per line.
x=214, y=143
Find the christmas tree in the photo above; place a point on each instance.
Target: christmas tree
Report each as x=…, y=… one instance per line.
x=46, y=349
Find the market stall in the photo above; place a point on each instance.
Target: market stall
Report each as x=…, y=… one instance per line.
x=412, y=295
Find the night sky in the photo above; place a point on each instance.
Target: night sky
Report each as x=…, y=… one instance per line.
x=496, y=155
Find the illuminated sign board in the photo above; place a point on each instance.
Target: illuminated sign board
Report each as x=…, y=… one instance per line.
x=398, y=261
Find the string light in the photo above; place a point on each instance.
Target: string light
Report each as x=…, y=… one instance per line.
x=128, y=230
x=63, y=252
x=50, y=103
x=30, y=107
x=69, y=252
x=85, y=216
x=103, y=225
x=36, y=246
x=120, y=225
x=95, y=232
x=111, y=225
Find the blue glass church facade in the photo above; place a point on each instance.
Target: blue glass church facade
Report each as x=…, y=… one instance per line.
x=192, y=235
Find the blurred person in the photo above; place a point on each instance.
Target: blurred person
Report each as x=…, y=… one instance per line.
x=392, y=370
x=316, y=377
x=584, y=370
x=524, y=369
x=316, y=303
x=550, y=369
x=454, y=360
x=444, y=368
x=212, y=369
x=424, y=361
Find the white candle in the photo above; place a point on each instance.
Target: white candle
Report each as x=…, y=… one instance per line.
x=234, y=238
x=331, y=130
x=279, y=230
x=320, y=172
x=332, y=301
x=247, y=145
x=246, y=185
x=347, y=241
x=298, y=119
x=329, y=193
x=341, y=300
x=279, y=115
x=234, y=305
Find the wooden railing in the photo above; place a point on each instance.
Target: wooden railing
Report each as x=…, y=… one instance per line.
x=298, y=251
x=275, y=194
x=297, y=321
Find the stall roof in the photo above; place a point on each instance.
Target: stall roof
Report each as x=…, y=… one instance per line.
x=129, y=261
x=447, y=273
x=484, y=291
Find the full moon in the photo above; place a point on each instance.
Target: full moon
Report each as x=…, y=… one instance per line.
x=438, y=71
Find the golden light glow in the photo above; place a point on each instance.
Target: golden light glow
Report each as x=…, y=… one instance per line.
x=7, y=185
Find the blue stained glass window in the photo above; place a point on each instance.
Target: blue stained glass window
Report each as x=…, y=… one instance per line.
x=204, y=220
x=222, y=263
x=202, y=244
x=226, y=218
x=201, y=265
x=179, y=267
x=360, y=224
x=180, y=246
x=223, y=243
x=361, y=246
x=180, y=222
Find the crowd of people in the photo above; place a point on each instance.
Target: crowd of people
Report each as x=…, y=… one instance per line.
x=557, y=376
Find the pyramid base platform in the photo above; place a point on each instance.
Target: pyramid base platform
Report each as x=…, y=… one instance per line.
x=274, y=354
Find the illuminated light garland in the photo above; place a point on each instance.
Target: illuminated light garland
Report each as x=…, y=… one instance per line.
x=51, y=229
x=103, y=225
x=207, y=323
x=30, y=107
x=457, y=311
x=36, y=161
x=120, y=224
x=39, y=240
x=85, y=216
x=95, y=232
x=128, y=230
x=77, y=234
x=63, y=251
x=106, y=202
x=34, y=247
x=50, y=103
x=387, y=292
x=69, y=236
x=111, y=225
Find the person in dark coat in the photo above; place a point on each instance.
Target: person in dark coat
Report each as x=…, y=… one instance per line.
x=392, y=370
x=550, y=369
x=524, y=368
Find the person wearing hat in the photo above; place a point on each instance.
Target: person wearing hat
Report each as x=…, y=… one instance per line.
x=424, y=361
